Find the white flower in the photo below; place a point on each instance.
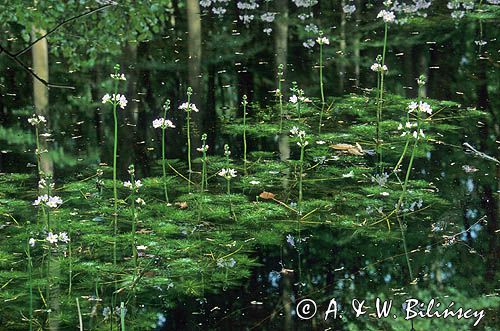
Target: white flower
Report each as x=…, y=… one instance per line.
x=349, y=9
x=227, y=173
x=31, y=242
x=191, y=106
x=122, y=101
x=294, y=131
x=115, y=99
x=294, y=99
x=323, y=41
x=51, y=238
x=54, y=202
x=425, y=107
x=412, y=106
x=309, y=43
x=320, y=142
x=384, y=194
x=162, y=123
x=254, y=182
x=63, y=236
x=141, y=247
x=140, y=201
x=118, y=76
x=377, y=67
x=131, y=186
x=387, y=16
x=40, y=199
x=36, y=119
x=202, y=149
x=106, y=98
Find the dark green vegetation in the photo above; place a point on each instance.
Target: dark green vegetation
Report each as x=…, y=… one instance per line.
x=346, y=215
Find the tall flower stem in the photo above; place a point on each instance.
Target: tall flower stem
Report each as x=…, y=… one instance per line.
x=301, y=174
x=245, y=103
x=30, y=285
x=381, y=99
x=188, y=125
x=115, y=152
x=321, y=86
x=166, y=107
x=204, y=148
x=280, y=94
x=134, y=217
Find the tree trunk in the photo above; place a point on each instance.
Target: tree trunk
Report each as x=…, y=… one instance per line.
x=194, y=68
x=40, y=56
x=281, y=35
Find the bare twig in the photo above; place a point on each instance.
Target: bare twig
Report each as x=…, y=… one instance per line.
x=15, y=56
x=480, y=154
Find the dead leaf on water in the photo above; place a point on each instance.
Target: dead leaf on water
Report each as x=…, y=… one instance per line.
x=267, y=195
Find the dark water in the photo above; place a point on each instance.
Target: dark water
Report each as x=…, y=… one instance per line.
x=341, y=251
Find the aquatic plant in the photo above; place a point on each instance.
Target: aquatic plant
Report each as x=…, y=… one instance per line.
x=415, y=132
x=115, y=100
x=36, y=121
x=228, y=174
x=321, y=41
x=244, y=103
x=203, y=149
x=188, y=107
x=279, y=93
x=381, y=69
x=302, y=143
x=163, y=123
x=297, y=97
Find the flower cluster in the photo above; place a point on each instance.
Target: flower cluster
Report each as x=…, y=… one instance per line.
x=323, y=41
x=36, y=120
x=226, y=263
x=409, y=129
x=188, y=107
x=49, y=201
x=377, y=67
x=227, y=173
x=423, y=107
x=133, y=186
x=349, y=9
x=118, y=76
x=54, y=238
x=163, y=123
x=295, y=132
x=115, y=99
x=42, y=184
x=387, y=16
x=203, y=148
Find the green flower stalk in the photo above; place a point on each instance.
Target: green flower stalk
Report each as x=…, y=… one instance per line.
x=228, y=174
x=279, y=93
x=411, y=130
x=381, y=68
x=115, y=100
x=227, y=154
x=297, y=98
x=302, y=143
x=321, y=41
x=203, y=149
x=30, y=244
x=188, y=107
x=163, y=123
x=244, y=104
